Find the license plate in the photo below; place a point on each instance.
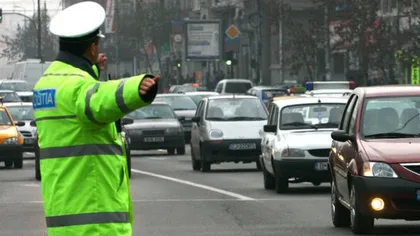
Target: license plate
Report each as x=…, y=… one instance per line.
x=154, y=139
x=28, y=141
x=321, y=166
x=243, y=146
x=418, y=194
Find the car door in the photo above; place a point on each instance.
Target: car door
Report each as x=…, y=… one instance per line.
x=339, y=163
x=271, y=139
x=195, y=129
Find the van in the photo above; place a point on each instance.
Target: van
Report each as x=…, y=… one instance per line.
x=30, y=71
x=236, y=86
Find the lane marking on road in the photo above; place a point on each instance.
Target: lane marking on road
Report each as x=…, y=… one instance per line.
x=202, y=186
x=157, y=158
x=30, y=185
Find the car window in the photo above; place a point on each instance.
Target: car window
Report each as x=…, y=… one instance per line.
x=178, y=103
x=10, y=97
x=237, y=87
x=315, y=115
x=346, y=117
x=152, y=112
x=391, y=115
x=22, y=113
x=353, y=117
x=4, y=118
x=17, y=86
x=236, y=109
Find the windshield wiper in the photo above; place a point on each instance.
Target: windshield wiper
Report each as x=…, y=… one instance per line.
x=182, y=109
x=152, y=117
x=244, y=118
x=300, y=124
x=216, y=118
x=391, y=135
x=334, y=125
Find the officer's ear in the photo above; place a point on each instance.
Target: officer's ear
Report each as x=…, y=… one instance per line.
x=94, y=48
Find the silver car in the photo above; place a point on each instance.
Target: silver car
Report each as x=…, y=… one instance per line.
x=21, y=87
x=183, y=106
x=197, y=96
x=24, y=112
x=226, y=129
x=9, y=96
x=156, y=127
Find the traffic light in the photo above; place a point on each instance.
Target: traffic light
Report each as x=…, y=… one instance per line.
x=229, y=59
x=1, y=15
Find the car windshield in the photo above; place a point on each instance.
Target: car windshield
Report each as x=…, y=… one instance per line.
x=236, y=109
x=22, y=113
x=197, y=97
x=4, y=118
x=17, y=86
x=270, y=93
x=237, y=87
x=152, y=111
x=178, y=103
x=10, y=97
x=392, y=117
x=311, y=116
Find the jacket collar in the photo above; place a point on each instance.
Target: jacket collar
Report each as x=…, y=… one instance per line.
x=77, y=61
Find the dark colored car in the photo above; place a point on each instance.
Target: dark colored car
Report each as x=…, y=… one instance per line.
x=183, y=106
x=126, y=140
x=375, y=158
x=156, y=127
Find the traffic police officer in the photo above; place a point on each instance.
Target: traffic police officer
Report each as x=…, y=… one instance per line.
x=85, y=185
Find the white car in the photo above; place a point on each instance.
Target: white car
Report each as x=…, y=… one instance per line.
x=225, y=129
x=21, y=88
x=197, y=96
x=10, y=97
x=297, y=140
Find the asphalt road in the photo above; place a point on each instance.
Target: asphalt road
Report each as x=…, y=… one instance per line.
x=172, y=200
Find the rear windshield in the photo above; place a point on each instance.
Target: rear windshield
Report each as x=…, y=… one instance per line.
x=237, y=87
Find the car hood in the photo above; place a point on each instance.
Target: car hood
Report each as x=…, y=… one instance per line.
x=7, y=131
x=238, y=129
x=392, y=150
x=25, y=93
x=153, y=124
x=187, y=113
x=307, y=140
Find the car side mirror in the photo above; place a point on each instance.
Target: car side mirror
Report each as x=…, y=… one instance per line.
x=33, y=123
x=127, y=121
x=270, y=128
x=341, y=136
x=196, y=119
x=181, y=118
x=19, y=123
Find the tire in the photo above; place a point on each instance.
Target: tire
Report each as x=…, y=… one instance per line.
x=128, y=156
x=8, y=163
x=18, y=161
x=316, y=183
x=205, y=166
x=281, y=183
x=359, y=223
x=340, y=215
x=171, y=151
x=37, y=165
x=269, y=181
x=258, y=163
x=196, y=165
x=180, y=150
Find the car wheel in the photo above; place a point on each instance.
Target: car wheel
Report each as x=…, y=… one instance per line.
x=339, y=214
x=316, y=183
x=128, y=156
x=18, y=161
x=281, y=183
x=8, y=163
x=205, y=166
x=259, y=167
x=171, y=151
x=359, y=223
x=180, y=150
x=269, y=181
x=37, y=170
x=196, y=165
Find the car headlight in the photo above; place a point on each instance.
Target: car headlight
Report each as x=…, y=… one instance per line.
x=378, y=169
x=292, y=152
x=11, y=141
x=173, y=130
x=216, y=133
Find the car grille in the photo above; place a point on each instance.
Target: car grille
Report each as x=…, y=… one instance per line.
x=320, y=152
x=26, y=134
x=413, y=168
x=153, y=132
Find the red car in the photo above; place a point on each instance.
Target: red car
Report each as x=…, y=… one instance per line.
x=375, y=158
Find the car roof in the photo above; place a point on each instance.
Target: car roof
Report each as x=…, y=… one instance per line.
x=201, y=92
x=171, y=95
x=160, y=103
x=12, y=81
x=308, y=100
x=235, y=80
x=7, y=91
x=19, y=104
x=230, y=96
x=389, y=90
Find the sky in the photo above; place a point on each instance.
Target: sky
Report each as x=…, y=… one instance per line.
x=10, y=22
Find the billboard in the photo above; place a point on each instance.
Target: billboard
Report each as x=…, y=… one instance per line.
x=110, y=16
x=203, y=40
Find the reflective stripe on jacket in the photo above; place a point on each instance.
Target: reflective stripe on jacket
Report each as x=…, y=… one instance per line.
x=85, y=184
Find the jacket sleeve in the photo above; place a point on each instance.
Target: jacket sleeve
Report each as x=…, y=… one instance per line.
x=105, y=102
